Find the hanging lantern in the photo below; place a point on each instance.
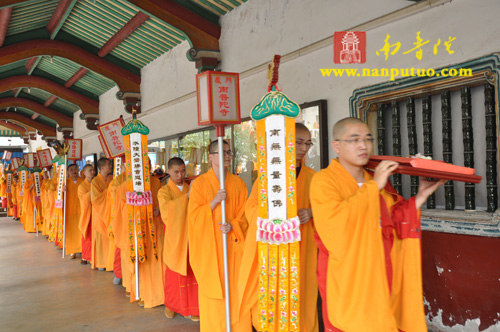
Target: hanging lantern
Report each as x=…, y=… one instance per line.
x=278, y=226
x=218, y=96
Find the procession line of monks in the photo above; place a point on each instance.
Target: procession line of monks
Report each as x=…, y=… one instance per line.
x=360, y=240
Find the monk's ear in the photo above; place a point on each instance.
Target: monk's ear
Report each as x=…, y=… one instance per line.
x=335, y=146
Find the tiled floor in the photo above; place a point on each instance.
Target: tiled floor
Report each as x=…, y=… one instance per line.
x=40, y=291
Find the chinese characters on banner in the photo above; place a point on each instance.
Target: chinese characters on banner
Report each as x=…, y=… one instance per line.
x=44, y=158
x=29, y=160
x=112, y=138
x=75, y=149
x=218, y=98
x=37, y=186
x=7, y=155
x=15, y=163
x=392, y=49
x=136, y=162
x=23, y=172
x=117, y=166
x=9, y=182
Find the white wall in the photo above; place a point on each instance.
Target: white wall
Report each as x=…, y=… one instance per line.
x=257, y=29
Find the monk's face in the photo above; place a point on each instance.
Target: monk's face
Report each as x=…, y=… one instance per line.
x=177, y=174
x=214, y=157
x=89, y=173
x=106, y=169
x=302, y=144
x=73, y=172
x=353, y=147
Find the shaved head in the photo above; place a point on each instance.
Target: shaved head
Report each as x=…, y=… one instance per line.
x=339, y=128
x=300, y=126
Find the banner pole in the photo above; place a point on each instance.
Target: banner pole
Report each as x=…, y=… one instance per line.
x=64, y=206
x=224, y=235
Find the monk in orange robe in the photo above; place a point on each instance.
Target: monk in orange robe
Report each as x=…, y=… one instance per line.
x=205, y=241
x=73, y=243
x=98, y=192
x=51, y=193
x=85, y=222
x=181, y=287
x=28, y=205
x=14, y=196
x=249, y=278
x=370, y=238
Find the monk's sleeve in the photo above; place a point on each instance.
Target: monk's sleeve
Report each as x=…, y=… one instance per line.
x=85, y=206
x=240, y=216
x=203, y=254
x=335, y=214
x=173, y=212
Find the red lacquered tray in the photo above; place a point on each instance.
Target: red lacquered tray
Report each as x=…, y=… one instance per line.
x=428, y=168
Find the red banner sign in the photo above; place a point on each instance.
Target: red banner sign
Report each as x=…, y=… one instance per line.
x=45, y=158
x=75, y=149
x=112, y=138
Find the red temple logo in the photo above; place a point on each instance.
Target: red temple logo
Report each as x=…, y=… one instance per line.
x=349, y=47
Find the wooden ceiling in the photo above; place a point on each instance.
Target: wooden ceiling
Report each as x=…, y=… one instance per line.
x=59, y=56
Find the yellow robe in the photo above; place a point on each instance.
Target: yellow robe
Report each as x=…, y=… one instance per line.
x=206, y=252
x=73, y=234
x=151, y=272
x=109, y=215
x=173, y=208
x=249, y=279
x=347, y=218
x=13, y=188
x=100, y=240
x=28, y=206
x=19, y=189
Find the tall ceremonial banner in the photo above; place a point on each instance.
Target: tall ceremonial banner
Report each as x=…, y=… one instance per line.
x=57, y=232
x=139, y=196
x=111, y=139
x=278, y=226
x=9, y=173
x=75, y=149
x=36, y=171
x=23, y=175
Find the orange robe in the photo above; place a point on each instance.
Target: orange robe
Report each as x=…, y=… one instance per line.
x=85, y=222
x=119, y=224
x=100, y=239
x=73, y=234
x=364, y=230
x=206, y=252
x=181, y=287
x=19, y=201
x=51, y=201
x=109, y=215
x=28, y=206
x=249, y=279
x=13, y=188
x=152, y=271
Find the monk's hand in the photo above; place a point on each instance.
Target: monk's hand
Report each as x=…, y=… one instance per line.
x=226, y=228
x=304, y=215
x=425, y=189
x=221, y=195
x=156, y=212
x=382, y=172
x=63, y=188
